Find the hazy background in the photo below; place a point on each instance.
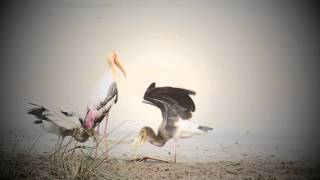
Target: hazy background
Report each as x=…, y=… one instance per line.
x=253, y=65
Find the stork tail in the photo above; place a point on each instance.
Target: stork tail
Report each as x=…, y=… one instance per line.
x=205, y=128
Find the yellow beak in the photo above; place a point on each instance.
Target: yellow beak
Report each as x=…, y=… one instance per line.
x=118, y=64
x=138, y=141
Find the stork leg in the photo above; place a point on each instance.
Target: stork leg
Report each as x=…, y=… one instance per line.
x=175, y=150
x=98, y=129
x=61, y=140
x=106, y=136
x=57, y=144
x=97, y=142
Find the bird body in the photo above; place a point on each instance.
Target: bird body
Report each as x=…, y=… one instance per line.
x=103, y=96
x=59, y=122
x=100, y=91
x=176, y=107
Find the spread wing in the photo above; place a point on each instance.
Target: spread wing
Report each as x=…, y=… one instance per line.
x=179, y=95
x=173, y=102
x=58, y=118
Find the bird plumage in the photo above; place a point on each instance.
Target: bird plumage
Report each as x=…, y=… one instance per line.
x=176, y=106
x=103, y=96
x=101, y=91
x=173, y=102
x=59, y=122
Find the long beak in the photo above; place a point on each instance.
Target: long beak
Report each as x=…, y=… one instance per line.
x=118, y=64
x=137, y=142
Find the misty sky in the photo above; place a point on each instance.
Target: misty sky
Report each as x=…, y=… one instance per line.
x=252, y=64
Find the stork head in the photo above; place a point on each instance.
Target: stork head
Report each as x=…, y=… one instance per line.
x=141, y=138
x=114, y=62
x=81, y=134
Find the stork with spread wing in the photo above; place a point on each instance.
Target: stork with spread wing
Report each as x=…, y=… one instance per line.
x=176, y=107
x=59, y=122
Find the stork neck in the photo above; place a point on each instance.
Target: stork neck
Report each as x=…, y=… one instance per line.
x=157, y=140
x=111, y=72
x=108, y=76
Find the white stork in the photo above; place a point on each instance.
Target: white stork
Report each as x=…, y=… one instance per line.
x=103, y=96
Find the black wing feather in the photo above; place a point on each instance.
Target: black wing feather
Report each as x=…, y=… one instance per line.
x=171, y=101
x=182, y=96
x=38, y=112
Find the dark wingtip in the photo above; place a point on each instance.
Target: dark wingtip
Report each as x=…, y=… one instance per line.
x=188, y=91
x=192, y=92
x=205, y=128
x=64, y=112
x=34, y=104
x=81, y=121
x=37, y=112
x=37, y=122
x=151, y=86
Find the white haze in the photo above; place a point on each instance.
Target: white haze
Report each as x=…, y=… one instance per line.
x=239, y=58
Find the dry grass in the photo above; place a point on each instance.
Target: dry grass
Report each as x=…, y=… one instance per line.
x=73, y=164
x=71, y=161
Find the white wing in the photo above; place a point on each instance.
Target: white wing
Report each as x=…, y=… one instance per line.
x=50, y=128
x=57, y=118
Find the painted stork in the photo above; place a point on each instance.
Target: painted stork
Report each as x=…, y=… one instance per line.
x=103, y=96
x=59, y=122
x=176, y=107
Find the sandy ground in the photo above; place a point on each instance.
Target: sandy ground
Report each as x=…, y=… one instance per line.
x=243, y=169
x=246, y=156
